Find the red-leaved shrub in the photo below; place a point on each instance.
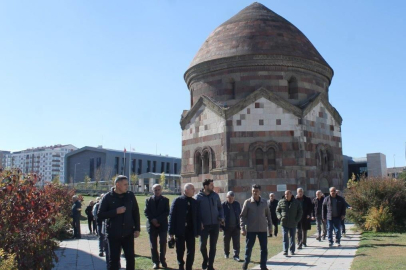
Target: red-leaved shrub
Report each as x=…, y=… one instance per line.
x=28, y=214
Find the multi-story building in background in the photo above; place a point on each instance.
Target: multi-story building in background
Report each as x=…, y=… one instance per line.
x=46, y=161
x=3, y=156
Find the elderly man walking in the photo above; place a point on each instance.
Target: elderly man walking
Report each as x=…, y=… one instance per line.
x=212, y=216
x=231, y=229
x=272, y=204
x=304, y=224
x=120, y=209
x=157, y=212
x=334, y=209
x=317, y=215
x=256, y=221
x=76, y=208
x=289, y=212
x=184, y=226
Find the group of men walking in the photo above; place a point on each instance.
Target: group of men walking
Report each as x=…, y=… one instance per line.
x=204, y=215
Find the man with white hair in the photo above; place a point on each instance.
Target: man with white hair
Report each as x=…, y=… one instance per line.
x=317, y=214
x=231, y=229
x=76, y=208
x=157, y=211
x=184, y=226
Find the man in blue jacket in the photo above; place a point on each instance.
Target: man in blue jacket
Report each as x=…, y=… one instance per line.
x=212, y=216
x=232, y=211
x=120, y=209
x=184, y=226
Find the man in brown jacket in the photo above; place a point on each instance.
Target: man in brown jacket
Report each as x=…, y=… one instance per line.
x=255, y=220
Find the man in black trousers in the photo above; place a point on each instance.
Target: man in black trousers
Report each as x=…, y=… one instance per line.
x=120, y=209
x=184, y=226
x=272, y=204
x=157, y=211
x=232, y=211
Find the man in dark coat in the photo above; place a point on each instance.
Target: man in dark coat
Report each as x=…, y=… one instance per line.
x=76, y=208
x=318, y=215
x=304, y=224
x=184, y=226
x=120, y=209
x=272, y=204
x=157, y=211
x=231, y=229
x=334, y=210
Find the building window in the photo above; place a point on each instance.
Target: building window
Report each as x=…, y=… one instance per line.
x=293, y=88
x=176, y=168
x=154, y=166
x=98, y=162
x=133, y=164
x=168, y=167
x=206, y=162
x=148, y=166
x=116, y=164
x=271, y=159
x=123, y=166
x=139, y=166
x=91, y=168
x=198, y=163
x=259, y=159
x=162, y=167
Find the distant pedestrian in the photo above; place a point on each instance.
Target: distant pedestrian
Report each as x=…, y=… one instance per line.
x=334, y=209
x=156, y=212
x=120, y=208
x=75, y=214
x=289, y=212
x=90, y=218
x=212, y=216
x=318, y=215
x=231, y=229
x=304, y=224
x=256, y=221
x=272, y=204
x=99, y=223
x=184, y=226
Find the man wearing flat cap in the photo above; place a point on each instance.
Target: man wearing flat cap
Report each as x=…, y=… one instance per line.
x=120, y=210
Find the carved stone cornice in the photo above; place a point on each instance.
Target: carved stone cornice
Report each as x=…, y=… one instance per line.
x=254, y=61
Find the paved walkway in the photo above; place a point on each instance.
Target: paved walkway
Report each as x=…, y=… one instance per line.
x=318, y=255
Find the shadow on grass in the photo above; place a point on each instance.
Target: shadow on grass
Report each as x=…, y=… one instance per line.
x=380, y=245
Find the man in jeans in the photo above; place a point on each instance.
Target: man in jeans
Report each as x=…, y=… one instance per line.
x=232, y=211
x=256, y=221
x=317, y=214
x=212, y=216
x=334, y=209
x=289, y=212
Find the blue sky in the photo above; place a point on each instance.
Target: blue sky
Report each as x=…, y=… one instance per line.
x=111, y=72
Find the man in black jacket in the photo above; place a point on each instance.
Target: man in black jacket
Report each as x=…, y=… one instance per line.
x=184, y=226
x=157, y=211
x=231, y=229
x=272, y=204
x=334, y=209
x=120, y=209
x=304, y=224
x=76, y=208
x=317, y=214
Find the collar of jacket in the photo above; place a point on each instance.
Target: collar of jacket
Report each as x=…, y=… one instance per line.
x=252, y=199
x=204, y=194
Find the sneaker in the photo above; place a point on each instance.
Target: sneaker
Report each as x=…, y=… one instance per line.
x=324, y=237
x=299, y=247
x=305, y=245
x=292, y=253
x=318, y=238
x=338, y=244
x=285, y=253
x=155, y=266
x=101, y=254
x=276, y=234
x=164, y=265
x=237, y=259
x=226, y=256
x=330, y=244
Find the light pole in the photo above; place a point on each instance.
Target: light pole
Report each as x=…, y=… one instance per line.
x=74, y=175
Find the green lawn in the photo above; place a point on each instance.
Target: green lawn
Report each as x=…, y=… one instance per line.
x=380, y=251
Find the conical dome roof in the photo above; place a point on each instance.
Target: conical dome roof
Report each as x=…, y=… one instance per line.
x=257, y=30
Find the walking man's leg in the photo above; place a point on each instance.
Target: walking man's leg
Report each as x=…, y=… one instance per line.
x=337, y=228
x=250, y=241
x=190, y=256
x=214, y=235
x=263, y=243
x=299, y=236
x=163, y=235
x=203, y=246
x=275, y=225
x=236, y=242
x=114, y=253
x=285, y=242
x=128, y=248
x=330, y=231
x=319, y=222
x=226, y=240
x=292, y=232
x=180, y=251
x=153, y=238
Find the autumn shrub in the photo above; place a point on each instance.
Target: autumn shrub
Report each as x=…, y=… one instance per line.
x=30, y=218
x=378, y=204
x=7, y=261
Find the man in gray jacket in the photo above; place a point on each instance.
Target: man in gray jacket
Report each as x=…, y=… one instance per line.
x=212, y=216
x=255, y=221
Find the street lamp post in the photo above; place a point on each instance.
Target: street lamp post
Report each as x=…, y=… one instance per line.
x=74, y=174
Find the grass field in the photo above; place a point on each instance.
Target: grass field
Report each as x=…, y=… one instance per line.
x=380, y=251
x=142, y=247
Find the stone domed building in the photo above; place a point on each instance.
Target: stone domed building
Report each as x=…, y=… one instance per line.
x=260, y=111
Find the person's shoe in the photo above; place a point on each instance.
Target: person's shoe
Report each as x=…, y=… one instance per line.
x=155, y=266
x=336, y=241
x=244, y=266
x=276, y=234
x=164, y=264
x=305, y=245
x=318, y=238
x=338, y=244
x=285, y=253
x=264, y=268
x=101, y=254
x=299, y=247
x=270, y=235
x=330, y=244
x=324, y=237
x=237, y=259
x=226, y=256
x=292, y=253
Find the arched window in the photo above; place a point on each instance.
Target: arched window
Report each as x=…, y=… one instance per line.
x=271, y=159
x=206, y=162
x=293, y=88
x=198, y=163
x=259, y=159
